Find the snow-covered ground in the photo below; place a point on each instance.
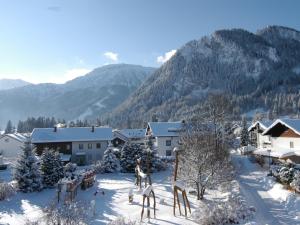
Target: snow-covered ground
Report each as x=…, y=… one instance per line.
x=274, y=204
x=114, y=202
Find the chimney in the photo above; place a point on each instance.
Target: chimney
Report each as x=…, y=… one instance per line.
x=55, y=128
x=93, y=128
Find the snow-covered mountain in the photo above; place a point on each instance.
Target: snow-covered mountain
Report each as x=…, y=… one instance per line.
x=6, y=84
x=257, y=70
x=85, y=97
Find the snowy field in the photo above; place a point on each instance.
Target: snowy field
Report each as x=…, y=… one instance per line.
x=273, y=204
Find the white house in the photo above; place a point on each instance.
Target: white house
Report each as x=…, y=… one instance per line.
x=135, y=136
x=165, y=135
x=10, y=144
x=284, y=140
x=82, y=145
x=257, y=139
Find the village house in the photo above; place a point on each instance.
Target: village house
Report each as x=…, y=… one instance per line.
x=133, y=136
x=256, y=137
x=81, y=145
x=10, y=144
x=284, y=136
x=165, y=136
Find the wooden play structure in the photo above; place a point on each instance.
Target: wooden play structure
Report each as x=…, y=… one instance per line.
x=140, y=176
x=88, y=179
x=178, y=186
x=68, y=186
x=148, y=191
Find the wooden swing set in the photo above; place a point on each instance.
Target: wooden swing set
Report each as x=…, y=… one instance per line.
x=179, y=186
x=148, y=192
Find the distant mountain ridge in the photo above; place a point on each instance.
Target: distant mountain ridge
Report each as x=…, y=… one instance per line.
x=256, y=70
x=85, y=97
x=6, y=84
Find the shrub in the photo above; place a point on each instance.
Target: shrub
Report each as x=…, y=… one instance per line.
x=286, y=175
x=99, y=167
x=6, y=191
x=296, y=181
x=122, y=221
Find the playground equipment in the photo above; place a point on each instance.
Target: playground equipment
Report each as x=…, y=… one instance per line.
x=179, y=186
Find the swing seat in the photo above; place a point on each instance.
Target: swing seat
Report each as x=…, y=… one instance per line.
x=180, y=184
x=147, y=190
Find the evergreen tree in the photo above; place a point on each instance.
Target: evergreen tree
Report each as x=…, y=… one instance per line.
x=9, y=128
x=51, y=168
x=110, y=160
x=150, y=153
x=27, y=172
x=129, y=154
x=244, y=133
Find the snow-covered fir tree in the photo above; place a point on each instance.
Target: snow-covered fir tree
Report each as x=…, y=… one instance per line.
x=110, y=161
x=129, y=154
x=150, y=152
x=51, y=167
x=27, y=172
x=244, y=133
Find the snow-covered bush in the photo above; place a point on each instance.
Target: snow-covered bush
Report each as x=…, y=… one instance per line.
x=6, y=191
x=296, y=181
x=27, y=172
x=99, y=167
x=75, y=213
x=51, y=167
x=110, y=161
x=70, y=167
x=232, y=211
x=286, y=175
x=122, y=221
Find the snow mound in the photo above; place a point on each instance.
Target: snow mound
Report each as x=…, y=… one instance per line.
x=277, y=192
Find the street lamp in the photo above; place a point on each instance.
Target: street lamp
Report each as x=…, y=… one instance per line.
x=269, y=151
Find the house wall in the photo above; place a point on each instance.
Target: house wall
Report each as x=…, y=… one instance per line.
x=262, y=140
x=91, y=155
x=284, y=142
x=160, y=143
x=10, y=147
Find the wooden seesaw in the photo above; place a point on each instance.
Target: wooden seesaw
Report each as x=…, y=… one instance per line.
x=179, y=186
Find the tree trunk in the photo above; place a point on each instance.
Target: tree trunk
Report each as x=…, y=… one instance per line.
x=202, y=193
x=198, y=191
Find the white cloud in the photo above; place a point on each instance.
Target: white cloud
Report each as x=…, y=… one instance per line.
x=166, y=57
x=112, y=56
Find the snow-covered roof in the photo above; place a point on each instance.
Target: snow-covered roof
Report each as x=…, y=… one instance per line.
x=166, y=129
x=133, y=133
x=263, y=124
x=293, y=124
x=71, y=134
x=17, y=136
x=277, y=153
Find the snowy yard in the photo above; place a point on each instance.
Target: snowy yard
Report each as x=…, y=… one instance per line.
x=273, y=204
x=112, y=204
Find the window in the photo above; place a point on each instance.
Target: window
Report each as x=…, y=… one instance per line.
x=90, y=146
x=98, y=145
x=291, y=144
x=168, y=142
x=80, y=146
x=168, y=152
x=68, y=147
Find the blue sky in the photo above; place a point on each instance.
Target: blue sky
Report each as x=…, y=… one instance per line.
x=54, y=41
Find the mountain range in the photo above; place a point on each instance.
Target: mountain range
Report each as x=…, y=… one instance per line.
x=6, y=84
x=255, y=70
x=85, y=97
